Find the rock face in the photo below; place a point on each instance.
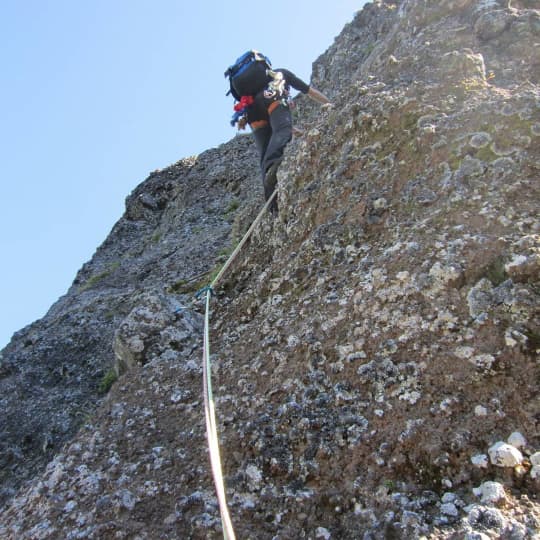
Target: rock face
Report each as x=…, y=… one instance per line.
x=372, y=344
x=125, y=305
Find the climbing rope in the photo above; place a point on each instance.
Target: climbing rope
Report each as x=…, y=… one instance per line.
x=211, y=429
x=209, y=405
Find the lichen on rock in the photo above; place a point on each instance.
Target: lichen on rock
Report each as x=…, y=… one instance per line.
x=373, y=348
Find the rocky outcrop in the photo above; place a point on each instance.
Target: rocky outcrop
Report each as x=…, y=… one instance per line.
x=125, y=305
x=375, y=345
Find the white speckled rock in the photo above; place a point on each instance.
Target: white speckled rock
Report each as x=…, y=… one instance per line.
x=476, y=536
x=445, y=275
x=505, y=455
x=490, y=492
x=521, y=267
x=254, y=474
x=483, y=361
x=449, y=509
x=517, y=440
x=323, y=533
x=535, y=461
x=479, y=298
x=517, y=261
x=479, y=410
x=480, y=460
x=464, y=352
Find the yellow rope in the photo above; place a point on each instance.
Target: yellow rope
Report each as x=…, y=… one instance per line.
x=243, y=241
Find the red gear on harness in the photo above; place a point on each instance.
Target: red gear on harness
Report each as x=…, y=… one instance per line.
x=245, y=101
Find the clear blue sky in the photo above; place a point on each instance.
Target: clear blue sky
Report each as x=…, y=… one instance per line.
x=95, y=94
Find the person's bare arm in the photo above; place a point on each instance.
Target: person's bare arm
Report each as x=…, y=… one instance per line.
x=317, y=96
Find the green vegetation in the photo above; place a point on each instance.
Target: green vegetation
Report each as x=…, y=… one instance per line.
x=185, y=286
x=233, y=206
x=224, y=253
x=94, y=280
x=108, y=380
x=181, y=286
x=486, y=154
x=495, y=271
x=389, y=485
x=231, y=209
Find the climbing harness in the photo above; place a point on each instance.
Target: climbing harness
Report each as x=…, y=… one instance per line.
x=275, y=90
x=209, y=406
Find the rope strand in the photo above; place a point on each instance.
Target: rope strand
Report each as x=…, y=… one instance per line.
x=209, y=405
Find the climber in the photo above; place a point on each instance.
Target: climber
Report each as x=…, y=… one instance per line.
x=263, y=96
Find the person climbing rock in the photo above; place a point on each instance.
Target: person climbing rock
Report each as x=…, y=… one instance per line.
x=263, y=103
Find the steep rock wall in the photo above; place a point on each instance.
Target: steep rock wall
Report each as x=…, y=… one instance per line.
x=372, y=344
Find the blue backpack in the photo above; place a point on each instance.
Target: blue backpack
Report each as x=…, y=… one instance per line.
x=248, y=75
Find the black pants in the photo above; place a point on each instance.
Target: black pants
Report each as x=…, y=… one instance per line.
x=271, y=140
